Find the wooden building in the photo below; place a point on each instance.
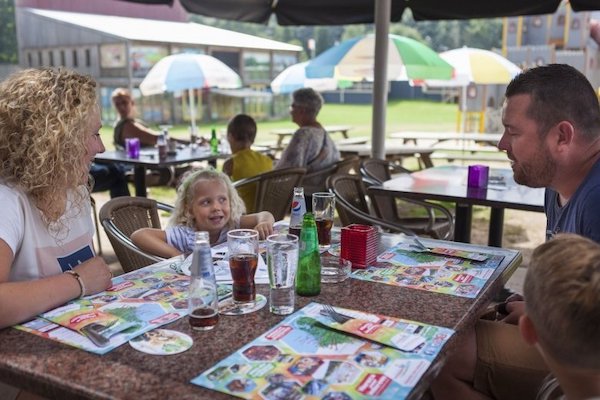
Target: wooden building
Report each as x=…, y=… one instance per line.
x=119, y=51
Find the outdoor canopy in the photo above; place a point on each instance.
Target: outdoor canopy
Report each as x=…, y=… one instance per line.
x=344, y=12
x=379, y=12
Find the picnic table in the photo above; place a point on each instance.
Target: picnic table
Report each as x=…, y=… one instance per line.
x=393, y=152
x=437, y=137
x=286, y=132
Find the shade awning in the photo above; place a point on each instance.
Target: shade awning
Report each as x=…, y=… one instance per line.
x=344, y=12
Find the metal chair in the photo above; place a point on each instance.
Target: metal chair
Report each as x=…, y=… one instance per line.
x=351, y=203
x=96, y=225
x=439, y=222
x=121, y=217
x=273, y=190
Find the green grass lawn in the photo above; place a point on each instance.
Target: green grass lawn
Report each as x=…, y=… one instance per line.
x=401, y=115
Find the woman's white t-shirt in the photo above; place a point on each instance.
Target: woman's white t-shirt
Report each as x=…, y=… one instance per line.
x=38, y=253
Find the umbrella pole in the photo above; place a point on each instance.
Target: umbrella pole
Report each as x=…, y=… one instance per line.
x=382, y=26
x=463, y=108
x=192, y=110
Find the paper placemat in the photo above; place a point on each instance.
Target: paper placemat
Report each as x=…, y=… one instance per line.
x=300, y=357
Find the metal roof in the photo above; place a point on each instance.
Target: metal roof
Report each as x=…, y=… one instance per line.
x=140, y=29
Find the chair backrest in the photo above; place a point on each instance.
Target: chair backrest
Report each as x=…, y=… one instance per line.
x=352, y=206
x=315, y=181
x=375, y=170
x=121, y=217
x=438, y=221
x=274, y=190
x=348, y=165
x=351, y=189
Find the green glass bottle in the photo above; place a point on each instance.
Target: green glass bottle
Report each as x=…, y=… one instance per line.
x=308, y=276
x=214, y=142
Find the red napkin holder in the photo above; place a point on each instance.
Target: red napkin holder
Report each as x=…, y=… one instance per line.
x=359, y=245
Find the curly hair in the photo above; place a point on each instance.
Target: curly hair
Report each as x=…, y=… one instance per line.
x=185, y=196
x=43, y=132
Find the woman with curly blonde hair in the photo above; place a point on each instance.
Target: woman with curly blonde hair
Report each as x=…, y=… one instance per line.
x=206, y=201
x=49, y=123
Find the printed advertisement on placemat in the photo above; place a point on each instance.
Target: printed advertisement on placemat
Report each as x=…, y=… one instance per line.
x=302, y=357
x=402, y=265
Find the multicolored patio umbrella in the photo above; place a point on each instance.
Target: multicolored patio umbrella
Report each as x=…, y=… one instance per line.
x=354, y=60
x=189, y=71
x=482, y=67
x=475, y=66
x=294, y=77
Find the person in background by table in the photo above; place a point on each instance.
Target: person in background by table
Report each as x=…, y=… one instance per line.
x=127, y=126
x=311, y=146
x=206, y=201
x=551, y=117
x=49, y=123
x=562, y=315
x=244, y=162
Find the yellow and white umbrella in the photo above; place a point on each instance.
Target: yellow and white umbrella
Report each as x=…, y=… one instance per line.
x=475, y=66
x=478, y=66
x=482, y=67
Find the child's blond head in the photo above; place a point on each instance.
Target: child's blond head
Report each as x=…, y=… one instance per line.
x=562, y=293
x=185, y=197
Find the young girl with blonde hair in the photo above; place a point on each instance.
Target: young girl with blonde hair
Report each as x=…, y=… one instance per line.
x=206, y=201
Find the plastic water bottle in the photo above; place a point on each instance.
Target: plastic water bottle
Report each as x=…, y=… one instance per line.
x=224, y=146
x=308, y=277
x=203, y=301
x=214, y=142
x=298, y=211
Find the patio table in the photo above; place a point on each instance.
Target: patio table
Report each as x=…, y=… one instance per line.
x=448, y=183
x=55, y=370
x=149, y=159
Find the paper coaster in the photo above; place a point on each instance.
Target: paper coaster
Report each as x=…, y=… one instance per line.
x=162, y=342
x=228, y=307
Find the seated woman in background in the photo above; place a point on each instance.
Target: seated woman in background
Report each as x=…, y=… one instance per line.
x=244, y=162
x=310, y=147
x=128, y=127
x=49, y=124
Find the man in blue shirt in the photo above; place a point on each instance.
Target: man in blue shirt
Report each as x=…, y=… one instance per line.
x=552, y=137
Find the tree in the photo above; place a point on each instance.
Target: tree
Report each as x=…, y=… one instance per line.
x=8, y=33
x=439, y=35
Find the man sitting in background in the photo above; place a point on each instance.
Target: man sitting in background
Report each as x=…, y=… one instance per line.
x=562, y=314
x=126, y=126
x=245, y=162
x=551, y=118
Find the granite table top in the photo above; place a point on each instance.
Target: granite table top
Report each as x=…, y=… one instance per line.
x=55, y=370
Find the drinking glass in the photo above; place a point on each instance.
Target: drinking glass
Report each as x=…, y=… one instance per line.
x=282, y=262
x=323, y=208
x=243, y=260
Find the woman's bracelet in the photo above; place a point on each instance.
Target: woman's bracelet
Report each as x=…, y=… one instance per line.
x=79, y=280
